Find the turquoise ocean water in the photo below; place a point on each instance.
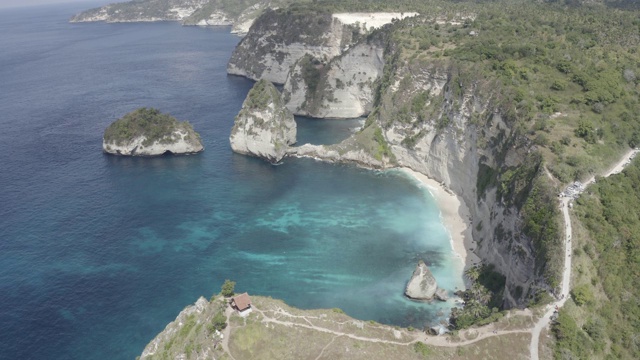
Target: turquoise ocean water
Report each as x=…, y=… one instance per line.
x=99, y=253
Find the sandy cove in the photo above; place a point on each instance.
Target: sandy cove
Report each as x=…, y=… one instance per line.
x=455, y=217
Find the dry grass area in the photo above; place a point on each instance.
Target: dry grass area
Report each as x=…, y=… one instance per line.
x=255, y=340
x=506, y=347
x=277, y=331
x=546, y=345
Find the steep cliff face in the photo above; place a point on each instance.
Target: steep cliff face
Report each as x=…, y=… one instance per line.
x=279, y=38
x=343, y=88
x=458, y=137
x=264, y=127
x=432, y=120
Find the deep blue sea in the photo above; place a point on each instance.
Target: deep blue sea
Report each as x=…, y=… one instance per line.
x=98, y=253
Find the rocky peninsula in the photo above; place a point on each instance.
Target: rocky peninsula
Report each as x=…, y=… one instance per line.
x=148, y=132
x=264, y=127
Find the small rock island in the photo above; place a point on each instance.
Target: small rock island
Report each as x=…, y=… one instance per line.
x=423, y=285
x=148, y=132
x=264, y=127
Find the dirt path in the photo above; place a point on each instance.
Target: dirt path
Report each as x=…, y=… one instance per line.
x=227, y=332
x=566, y=274
x=479, y=333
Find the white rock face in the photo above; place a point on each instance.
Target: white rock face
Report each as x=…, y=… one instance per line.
x=264, y=127
x=270, y=48
x=422, y=285
x=278, y=40
x=181, y=144
x=246, y=19
x=348, y=84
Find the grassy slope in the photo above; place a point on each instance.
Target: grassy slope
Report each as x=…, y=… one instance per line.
x=256, y=338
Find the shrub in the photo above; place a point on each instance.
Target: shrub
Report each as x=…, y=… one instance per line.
x=582, y=295
x=228, y=288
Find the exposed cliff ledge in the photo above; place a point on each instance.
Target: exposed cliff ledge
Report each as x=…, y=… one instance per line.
x=278, y=38
x=264, y=127
x=147, y=132
x=343, y=88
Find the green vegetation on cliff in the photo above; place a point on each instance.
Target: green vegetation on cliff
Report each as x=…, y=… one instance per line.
x=561, y=84
x=261, y=95
x=147, y=122
x=603, y=318
x=482, y=300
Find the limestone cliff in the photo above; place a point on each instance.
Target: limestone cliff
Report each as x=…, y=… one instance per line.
x=141, y=11
x=435, y=117
x=343, y=88
x=422, y=285
x=199, y=324
x=264, y=127
x=458, y=137
x=427, y=113
x=278, y=38
x=240, y=14
x=147, y=132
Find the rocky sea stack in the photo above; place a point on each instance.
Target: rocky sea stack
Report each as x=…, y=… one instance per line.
x=148, y=132
x=423, y=285
x=264, y=127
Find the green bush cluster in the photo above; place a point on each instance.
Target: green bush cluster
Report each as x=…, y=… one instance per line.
x=148, y=122
x=482, y=300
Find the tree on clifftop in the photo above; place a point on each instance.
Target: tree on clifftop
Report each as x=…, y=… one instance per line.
x=228, y=288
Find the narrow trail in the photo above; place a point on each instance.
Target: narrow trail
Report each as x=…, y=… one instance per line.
x=480, y=333
x=545, y=320
x=226, y=333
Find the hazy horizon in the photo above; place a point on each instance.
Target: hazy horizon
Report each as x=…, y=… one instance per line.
x=26, y=3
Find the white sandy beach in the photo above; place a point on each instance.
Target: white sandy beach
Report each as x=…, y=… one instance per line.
x=455, y=217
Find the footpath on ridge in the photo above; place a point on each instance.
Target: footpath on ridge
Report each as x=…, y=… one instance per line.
x=545, y=320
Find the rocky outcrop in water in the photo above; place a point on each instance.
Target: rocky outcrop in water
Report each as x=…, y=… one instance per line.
x=147, y=132
x=264, y=127
x=422, y=285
